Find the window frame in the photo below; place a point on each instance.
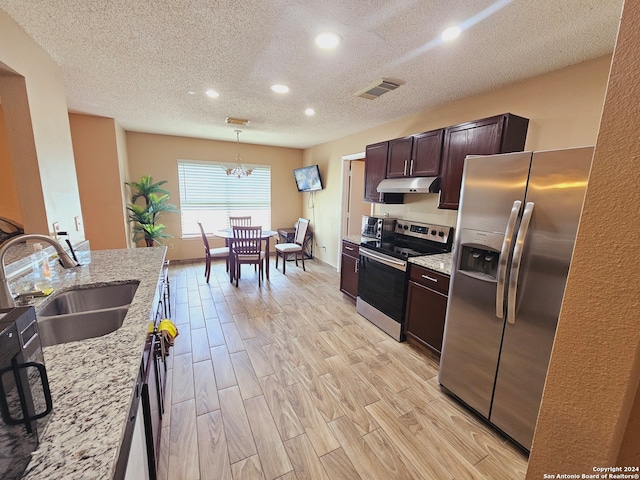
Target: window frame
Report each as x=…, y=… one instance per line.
x=214, y=210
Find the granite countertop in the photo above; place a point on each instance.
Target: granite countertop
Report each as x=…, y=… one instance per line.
x=441, y=262
x=92, y=381
x=355, y=239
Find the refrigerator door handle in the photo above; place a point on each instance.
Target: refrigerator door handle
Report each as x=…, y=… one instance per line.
x=515, y=263
x=504, y=254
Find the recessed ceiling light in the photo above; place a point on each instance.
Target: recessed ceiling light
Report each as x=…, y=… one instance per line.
x=280, y=88
x=450, y=33
x=327, y=40
x=212, y=93
x=309, y=112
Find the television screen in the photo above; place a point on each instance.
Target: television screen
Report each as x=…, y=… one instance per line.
x=308, y=178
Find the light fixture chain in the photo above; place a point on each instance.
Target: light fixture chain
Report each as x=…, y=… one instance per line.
x=238, y=171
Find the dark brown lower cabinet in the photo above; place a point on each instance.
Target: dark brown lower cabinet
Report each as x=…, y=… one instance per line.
x=426, y=307
x=349, y=269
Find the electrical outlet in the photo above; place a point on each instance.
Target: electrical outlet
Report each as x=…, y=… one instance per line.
x=56, y=229
x=78, y=224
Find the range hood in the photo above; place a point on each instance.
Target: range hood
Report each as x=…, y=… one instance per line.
x=410, y=185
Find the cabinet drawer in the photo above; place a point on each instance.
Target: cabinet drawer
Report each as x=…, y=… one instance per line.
x=349, y=248
x=425, y=316
x=429, y=278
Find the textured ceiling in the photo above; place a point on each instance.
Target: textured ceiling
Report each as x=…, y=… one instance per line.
x=137, y=60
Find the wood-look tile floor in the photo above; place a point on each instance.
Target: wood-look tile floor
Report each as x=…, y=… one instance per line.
x=286, y=381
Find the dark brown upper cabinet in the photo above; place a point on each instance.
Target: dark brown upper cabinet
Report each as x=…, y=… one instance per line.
x=375, y=170
x=415, y=156
x=427, y=151
x=399, y=164
x=500, y=134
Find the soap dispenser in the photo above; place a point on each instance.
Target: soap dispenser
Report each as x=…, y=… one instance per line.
x=41, y=269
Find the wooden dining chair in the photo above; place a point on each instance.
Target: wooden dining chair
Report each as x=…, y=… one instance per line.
x=296, y=248
x=240, y=221
x=209, y=253
x=246, y=248
x=244, y=221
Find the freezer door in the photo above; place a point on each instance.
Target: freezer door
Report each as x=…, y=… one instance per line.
x=557, y=186
x=491, y=186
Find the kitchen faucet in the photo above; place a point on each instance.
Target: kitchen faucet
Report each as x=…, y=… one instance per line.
x=6, y=299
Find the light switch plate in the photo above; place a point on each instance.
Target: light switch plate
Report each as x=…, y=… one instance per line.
x=78, y=224
x=56, y=229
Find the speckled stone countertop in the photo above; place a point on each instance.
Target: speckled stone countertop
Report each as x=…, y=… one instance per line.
x=353, y=239
x=441, y=262
x=92, y=381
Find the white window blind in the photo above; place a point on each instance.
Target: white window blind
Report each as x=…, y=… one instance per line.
x=208, y=195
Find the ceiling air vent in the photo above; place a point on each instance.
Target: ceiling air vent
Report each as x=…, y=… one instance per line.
x=236, y=121
x=379, y=88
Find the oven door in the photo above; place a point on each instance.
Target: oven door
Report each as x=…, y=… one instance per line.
x=382, y=290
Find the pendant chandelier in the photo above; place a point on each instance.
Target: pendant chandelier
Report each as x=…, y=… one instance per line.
x=238, y=170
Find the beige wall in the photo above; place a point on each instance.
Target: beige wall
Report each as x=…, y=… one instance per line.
x=564, y=109
x=591, y=394
x=9, y=201
x=100, y=180
x=157, y=155
x=37, y=127
x=22, y=154
x=123, y=168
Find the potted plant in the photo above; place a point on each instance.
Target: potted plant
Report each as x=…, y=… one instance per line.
x=145, y=217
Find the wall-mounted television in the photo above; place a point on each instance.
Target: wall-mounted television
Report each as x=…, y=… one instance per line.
x=308, y=178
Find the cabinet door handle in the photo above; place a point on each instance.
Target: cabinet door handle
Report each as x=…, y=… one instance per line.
x=348, y=248
x=411, y=167
x=433, y=279
x=356, y=269
x=404, y=172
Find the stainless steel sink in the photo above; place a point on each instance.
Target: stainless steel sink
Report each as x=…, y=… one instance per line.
x=90, y=298
x=85, y=312
x=79, y=326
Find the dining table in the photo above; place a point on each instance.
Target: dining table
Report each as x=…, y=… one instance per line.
x=227, y=234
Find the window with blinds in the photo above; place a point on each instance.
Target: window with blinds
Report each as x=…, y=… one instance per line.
x=209, y=196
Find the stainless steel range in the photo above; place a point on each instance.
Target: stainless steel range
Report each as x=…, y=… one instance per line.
x=382, y=284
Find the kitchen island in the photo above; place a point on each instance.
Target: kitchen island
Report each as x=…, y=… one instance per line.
x=93, y=381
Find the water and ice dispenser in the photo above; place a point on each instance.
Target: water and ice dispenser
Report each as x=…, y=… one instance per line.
x=479, y=253
x=478, y=260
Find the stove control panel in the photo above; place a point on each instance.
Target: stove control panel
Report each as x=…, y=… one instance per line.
x=434, y=233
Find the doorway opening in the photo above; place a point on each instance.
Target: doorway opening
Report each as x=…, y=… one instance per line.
x=353, y=205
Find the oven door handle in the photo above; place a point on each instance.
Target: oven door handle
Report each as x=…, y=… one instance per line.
x=389, y=261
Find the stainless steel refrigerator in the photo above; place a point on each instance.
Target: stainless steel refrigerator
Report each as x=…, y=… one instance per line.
x=515, y=234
